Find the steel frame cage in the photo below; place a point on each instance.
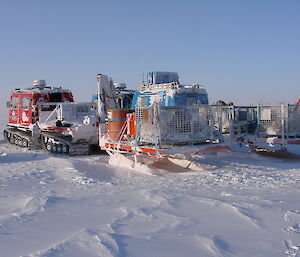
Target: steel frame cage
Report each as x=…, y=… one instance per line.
x=173, y=125
x=262, y=121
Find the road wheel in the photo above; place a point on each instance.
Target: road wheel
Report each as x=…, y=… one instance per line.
x=24, y=143
x=16, y=141
x=65, y=149
x=59, y=148
x=49, y=147
x=54, y=148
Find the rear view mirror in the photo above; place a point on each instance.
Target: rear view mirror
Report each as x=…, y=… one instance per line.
x=8, y=105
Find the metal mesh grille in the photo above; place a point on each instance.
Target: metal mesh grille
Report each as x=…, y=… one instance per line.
x=279, y=120
x=146, y=123
x=239, y=119
x=176, y=125
x=264, y=120
x=294, y=120
x=177, y=121
x=272, y=119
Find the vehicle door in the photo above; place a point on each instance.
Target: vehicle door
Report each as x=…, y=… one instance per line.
x=14, y=110
x=26, y=110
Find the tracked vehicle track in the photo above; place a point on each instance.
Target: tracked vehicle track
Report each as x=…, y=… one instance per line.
x=47, y=141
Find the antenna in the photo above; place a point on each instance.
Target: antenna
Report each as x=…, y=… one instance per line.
x=99, y=93
x=143, y=67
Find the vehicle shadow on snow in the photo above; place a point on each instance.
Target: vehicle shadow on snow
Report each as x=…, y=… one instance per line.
x=217, y=161
x=214, y=161
x=280, y=154
x=22, y=157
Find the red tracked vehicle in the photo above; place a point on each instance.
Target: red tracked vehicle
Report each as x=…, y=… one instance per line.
x=24, y=103
x=47, y=117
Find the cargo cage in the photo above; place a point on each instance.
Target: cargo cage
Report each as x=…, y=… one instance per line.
x=156, y=131
x=262, y=120
x=178, y=125
x=263, y=125
x=238, y=120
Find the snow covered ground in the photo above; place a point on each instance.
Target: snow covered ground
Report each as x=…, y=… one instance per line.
x=235, y=204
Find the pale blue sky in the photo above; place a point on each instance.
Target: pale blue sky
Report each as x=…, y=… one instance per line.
x=243, y=51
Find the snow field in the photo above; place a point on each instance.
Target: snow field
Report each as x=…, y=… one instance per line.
x=227, y=204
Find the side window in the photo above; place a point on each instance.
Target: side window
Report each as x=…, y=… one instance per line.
x=203, y=99
x=191, y=100
x=25, y=103
x=56, y=97
x=14, y=102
